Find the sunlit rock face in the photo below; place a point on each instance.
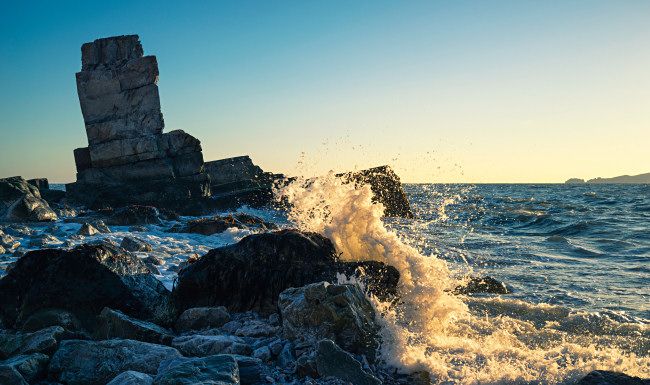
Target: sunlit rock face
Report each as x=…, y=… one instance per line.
x=129, y=159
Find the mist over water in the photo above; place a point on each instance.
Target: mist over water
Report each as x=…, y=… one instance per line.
x=546, y=332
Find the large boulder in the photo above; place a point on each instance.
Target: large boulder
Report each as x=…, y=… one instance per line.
x=199, y=318
x=21, y=201
x=332, y=361
x=79, y=362
x=83, y=281
x=251, y=274
x=115, y=324
x=41, y=341
x=218, y=370
x=341, y=313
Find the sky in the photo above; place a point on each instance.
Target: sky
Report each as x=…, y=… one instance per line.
x=443, y=91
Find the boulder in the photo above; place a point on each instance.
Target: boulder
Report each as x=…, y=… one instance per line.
x=87, y=229
x=41, y=341
x=44, y=240
x=219, y=224
x=386, y=187
x=79, y=362
x=8, y=242
x=134, y=215
x=31, y=367
x=22, y=202
x=44, y=318
x=207, y=345
x=250, y=369
x=332, y=361
x=606, y=377
x=341, y=313
x=115, y=324
x=218, y=370
x=131, y=377
x=199, y=318
x=485, y=284
x=83, y=281
x=39, y=183
x=135, y=244
x=251, y=274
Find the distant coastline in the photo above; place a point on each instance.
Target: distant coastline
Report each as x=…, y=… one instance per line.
x=623, y=179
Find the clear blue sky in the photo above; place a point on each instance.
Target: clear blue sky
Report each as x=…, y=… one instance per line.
x=501, y=91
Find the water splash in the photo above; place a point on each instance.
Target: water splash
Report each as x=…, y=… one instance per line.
x=461, y=340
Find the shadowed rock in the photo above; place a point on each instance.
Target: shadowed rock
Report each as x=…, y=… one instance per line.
x=21, y=201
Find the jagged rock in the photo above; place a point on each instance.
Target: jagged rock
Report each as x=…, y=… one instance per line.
x=83, y=281
x=219, y=224
x=199, y=318
x=87, y=229
x=135, y=215
x=8, y=242
x=39, y=183
x=485, y=284
x=218, y=369
x=21, y=201
x=131, y=377
x=606, y=377
x=2, y=250
x=44, y=240
x=115, y=324
x=79, y=362
x=332, y=361
x=42, y=341
x=44, y=318
x=135, y=244
x=31, y=367
x=207, y=345
x=338, y=312
x=386, y=187
x=252, y=273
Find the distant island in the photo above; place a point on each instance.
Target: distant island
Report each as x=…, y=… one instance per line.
x=641, y=178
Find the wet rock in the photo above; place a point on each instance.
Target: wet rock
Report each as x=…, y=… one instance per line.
x=45, y=240
x=134, y=215
x=135, y=244
x=78, y=362
x=251, y=274
x=199, y=318
x=101, y=226
x=207, y=345
x=31, y=367
x=115, y=324
x=64, y=211
x=606, y=377
x=42, y=341
x=218, y=369
x=485, y=284
x=332, y=361
x=51, y=317
x=21, y=201
x=8, y=242
x=131, y=377
x=87, y=230
x=219, y=224
x=18, y=230
x=83, y=281
x=338, y=312
x=2, y=250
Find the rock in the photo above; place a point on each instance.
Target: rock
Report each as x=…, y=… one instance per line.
x=605, y=377
x=135, y=244
x=131, y=377
x=135, y=215
x=21, y=201
x=31, y=367
x=207, y=345
x=2, y=250
x=8, y=242
x=286, y=357
x=39, y=183
x=115, y=324
x=101, y=226
x=199, y=318
x=338, y=312
x=87, y=229
x=55, y=198
x=42, y=341
x=250, y=369
x=263, y=353
x=80, y=362
x=275, y=347
x=255, y=328
x=386, y=187
x=44, y=240
x=251, y=274
x=51, y=317
x=19, y=230
x=306, y=367
x=218, y=370
x=332, y=361
x=11, y=376
x=485, y=284
x=219, y=224
x=83, y=281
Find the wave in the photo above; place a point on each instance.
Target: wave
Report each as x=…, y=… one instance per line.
x=431, y=329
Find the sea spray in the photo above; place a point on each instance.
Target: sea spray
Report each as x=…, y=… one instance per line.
x=431, y=329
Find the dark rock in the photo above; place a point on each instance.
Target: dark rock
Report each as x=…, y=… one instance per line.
x=42, y=341
x=332, y=361
x=306, y=367
x=131, y=377
x=80, y=362
x=44, y=240
x=51, y=317
x=485, y=284
x=256, y=328
x=218, y=369
x=219, y=224
x=21, y=201
x=83, y=281
x=386, y=187
x=31, y=367
x=53, y=197
x=606, y=377
x=286, y=358
x=250, y=369
x=199, y=318
x=252, y=273
x=263, y=353
x=39, y=183
x=115, y=324
x=338, y=312
x=135, y=215
x=87, y=229
x=208, y=345
x=135, y=244
x=11, y=376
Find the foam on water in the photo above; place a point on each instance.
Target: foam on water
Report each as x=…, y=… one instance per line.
x=459, y=339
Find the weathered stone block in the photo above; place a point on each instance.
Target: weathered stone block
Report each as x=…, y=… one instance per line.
x=82, y=158
x=133, y=74
x=136, y=124
x=110, y=51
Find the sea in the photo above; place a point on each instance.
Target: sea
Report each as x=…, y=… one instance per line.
x=575, y=258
